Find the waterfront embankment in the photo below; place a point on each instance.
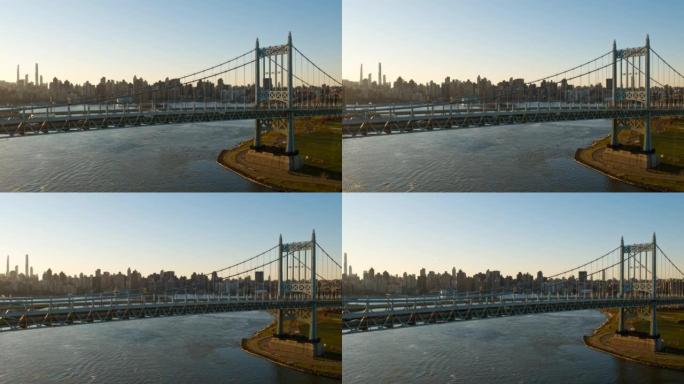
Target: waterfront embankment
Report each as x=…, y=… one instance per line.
x=319, y=145
x=671, y=325
x=265, y=345
x=668, y=139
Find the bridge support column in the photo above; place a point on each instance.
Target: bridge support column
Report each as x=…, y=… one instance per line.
x=654, y=292
x=291, y=151
x=313, y=328
x=257, y=134
x=281, y=314
x=614, y=135
x=621, y=310
x=257, y=90
x=648, y=149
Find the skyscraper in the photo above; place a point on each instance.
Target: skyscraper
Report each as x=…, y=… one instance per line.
x=379, y=74
x=7, y=273
x=360, y=78
x=25, y=79
x=345, y=264
x=36, y=83
x=26, y=271
x=18, y=76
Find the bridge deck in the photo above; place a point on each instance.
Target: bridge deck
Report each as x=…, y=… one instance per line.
x=360, y=317
x=41, y=123
x=23, y=314
x=383, y=121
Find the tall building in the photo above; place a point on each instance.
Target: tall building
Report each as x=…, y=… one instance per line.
x=26, y=270
x=380, y=74
x=26, y=79
x=582, y=276
x=384, y=79
x=345, y=265
x=360, y=78
x=36, y=83
x=41, y=80
x=350, y=270
x=7, y=273
x=18, y=76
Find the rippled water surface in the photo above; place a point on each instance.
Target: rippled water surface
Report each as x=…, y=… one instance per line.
x=544, y=348
x=526, y=157
x=186, y=349
x=178, y=157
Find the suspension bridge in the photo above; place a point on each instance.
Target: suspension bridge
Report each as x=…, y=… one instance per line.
x=627, y=278
x=294, y=279
x=272, y=85
x=630, y=86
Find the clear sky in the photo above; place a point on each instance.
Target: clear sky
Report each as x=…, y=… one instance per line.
x=184, y=233
x=503, y=231
x=498, y=39
x=83, y=40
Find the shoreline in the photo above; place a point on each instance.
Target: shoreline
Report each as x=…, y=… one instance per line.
x=251, y=346
x=661, y=179
x=600, y=337
x=273, y=179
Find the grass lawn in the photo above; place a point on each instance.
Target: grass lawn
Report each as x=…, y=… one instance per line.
x=670, y=327
x=329, y=330
x=668, y=141
x=319, y=141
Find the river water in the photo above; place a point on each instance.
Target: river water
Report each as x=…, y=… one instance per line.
x=513, y=158
x=186, y=349
x=545, y=348
x=163, y=158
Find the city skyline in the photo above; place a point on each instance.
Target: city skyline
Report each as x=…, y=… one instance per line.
x=152, y=36
x=184, y=233
x=510, y=233
x=511, y=46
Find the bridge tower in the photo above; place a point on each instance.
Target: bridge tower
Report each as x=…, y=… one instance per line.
x=631, y=252
x=270, y=93
x=290, y=284
x=626, y=93
x=654, y=292
x=621, y=310
x=313, y=329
